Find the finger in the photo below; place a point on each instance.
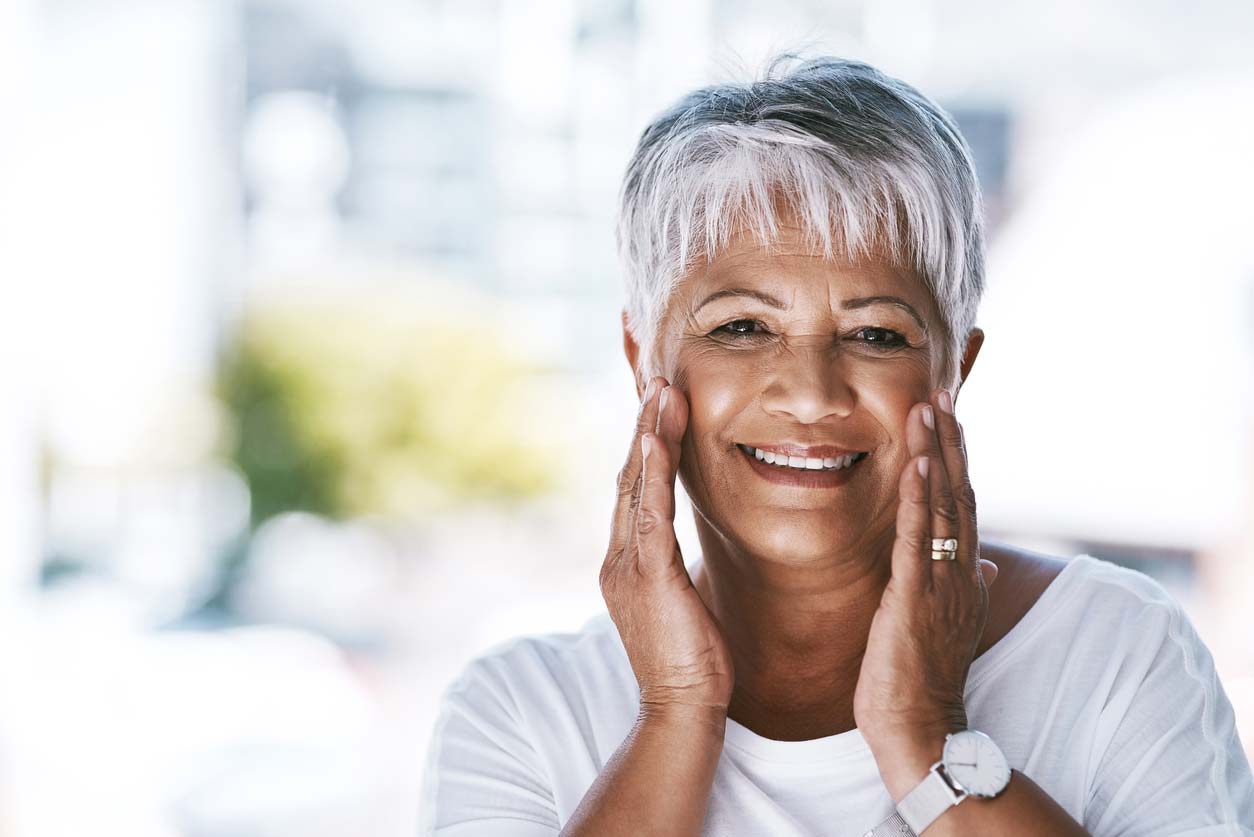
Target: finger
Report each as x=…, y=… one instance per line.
x=629, y=474
x=655, y=529
x=910, y=569
x=672, y=420
x=958, y=488
x=921, y=440
x=944, y=523
x=989, y=570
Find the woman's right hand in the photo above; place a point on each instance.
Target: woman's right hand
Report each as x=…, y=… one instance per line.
x=674, y=644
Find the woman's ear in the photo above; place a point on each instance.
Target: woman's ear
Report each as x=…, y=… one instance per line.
x=632, y=349
x=974, y=341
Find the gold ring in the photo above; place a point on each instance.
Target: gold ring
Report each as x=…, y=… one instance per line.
x=946, y=544
x=944, y=555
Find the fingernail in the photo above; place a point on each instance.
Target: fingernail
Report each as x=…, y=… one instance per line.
x=646, y=444
x=666, y=397
x=923, y=466
x=928, y=418
x=945, y=401
x=650, y=389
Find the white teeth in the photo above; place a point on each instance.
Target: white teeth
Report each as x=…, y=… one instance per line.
x=831, y=463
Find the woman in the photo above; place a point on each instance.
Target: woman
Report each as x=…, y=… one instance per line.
x=804, y=258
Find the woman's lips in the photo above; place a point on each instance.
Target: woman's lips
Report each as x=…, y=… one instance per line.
x=804, y=451
x=807, y=478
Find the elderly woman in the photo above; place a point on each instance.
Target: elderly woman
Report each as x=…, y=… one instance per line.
x=804, y=259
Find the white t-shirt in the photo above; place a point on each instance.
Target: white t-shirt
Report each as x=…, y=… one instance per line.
x=1103, y=694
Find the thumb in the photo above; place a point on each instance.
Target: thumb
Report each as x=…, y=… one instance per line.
x=989, y=570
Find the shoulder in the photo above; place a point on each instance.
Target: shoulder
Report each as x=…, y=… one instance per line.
x=542, y=707
x=507, y=730
x=1100, y=592
x=1122, y=589
x=1113, y=648
x=1165, y=751
x=543, y=668
x=1024, y=576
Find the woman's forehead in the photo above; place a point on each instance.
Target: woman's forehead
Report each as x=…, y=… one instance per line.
x=790, y=270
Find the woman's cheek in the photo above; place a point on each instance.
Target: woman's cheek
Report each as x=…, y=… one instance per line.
x=717, y=393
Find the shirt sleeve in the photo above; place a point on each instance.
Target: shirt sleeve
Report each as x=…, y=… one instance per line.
x=1173, y=763
x=482, y=777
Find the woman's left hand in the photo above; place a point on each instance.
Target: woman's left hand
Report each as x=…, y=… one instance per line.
x=932, y=614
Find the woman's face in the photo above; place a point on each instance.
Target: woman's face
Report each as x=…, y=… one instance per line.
x=838, y=360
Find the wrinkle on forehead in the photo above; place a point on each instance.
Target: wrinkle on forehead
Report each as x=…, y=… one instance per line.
x=791, y=241
x=781, y=259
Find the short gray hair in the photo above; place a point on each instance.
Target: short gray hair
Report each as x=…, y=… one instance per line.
x=862, y=159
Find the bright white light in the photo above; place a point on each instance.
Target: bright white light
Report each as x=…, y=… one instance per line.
x=1112, y=398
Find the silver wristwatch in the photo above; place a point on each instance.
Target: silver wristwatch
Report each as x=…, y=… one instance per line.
x=972, y=765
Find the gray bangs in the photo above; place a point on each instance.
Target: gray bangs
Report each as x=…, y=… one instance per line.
x=865, y=164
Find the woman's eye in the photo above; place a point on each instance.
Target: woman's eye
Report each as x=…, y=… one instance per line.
x=880, y=338
x=740, y=328
x=885, y=337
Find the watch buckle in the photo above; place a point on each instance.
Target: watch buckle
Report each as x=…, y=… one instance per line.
x=955, y=795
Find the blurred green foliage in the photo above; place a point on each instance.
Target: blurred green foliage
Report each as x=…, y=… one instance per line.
x=383, y=403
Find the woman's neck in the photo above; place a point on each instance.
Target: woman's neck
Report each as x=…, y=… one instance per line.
x=796, y=634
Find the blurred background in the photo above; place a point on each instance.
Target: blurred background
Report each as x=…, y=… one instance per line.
x=311, y=374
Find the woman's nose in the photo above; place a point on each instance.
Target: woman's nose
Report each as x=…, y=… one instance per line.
x=807, y=380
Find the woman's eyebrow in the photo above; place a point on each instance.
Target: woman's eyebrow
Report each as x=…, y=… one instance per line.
x=760, y=296
x=864, y=301
x=848, y=304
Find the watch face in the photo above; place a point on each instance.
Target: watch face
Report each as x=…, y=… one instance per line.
x=975, y=763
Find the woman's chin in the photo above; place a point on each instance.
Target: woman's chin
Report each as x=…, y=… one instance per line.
x=793, y=545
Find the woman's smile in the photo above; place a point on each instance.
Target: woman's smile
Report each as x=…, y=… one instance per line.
x=777, y=467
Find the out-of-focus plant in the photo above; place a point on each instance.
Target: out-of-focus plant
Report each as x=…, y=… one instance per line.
x=389, y=402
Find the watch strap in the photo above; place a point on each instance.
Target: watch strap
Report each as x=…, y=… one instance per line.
x=894, y=826
x=929, y=799
x=919, y=808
